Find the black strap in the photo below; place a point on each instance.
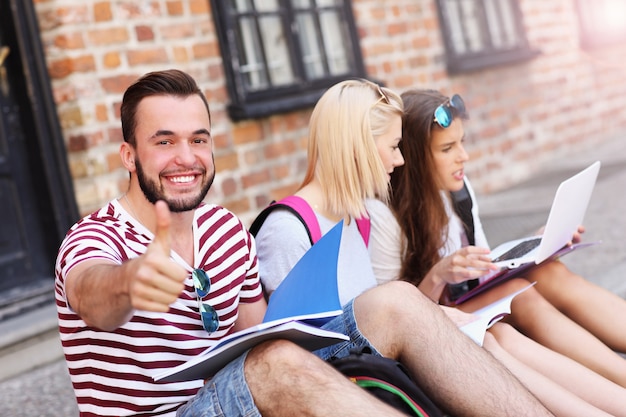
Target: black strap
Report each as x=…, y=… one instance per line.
x=260, y=219
x=462, y=203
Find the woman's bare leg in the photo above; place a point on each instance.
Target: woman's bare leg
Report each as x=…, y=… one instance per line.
x=557, y=399
x=569, y=374
x=593, y=307
x=534, y=316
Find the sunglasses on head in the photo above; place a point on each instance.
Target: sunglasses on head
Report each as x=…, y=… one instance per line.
x=202, y=284
x=443, y=113
x=383, y=96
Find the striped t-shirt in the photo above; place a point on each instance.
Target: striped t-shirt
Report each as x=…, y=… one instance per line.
x=111, y=371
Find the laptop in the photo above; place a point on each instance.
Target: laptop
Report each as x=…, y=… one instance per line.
x=567, y=213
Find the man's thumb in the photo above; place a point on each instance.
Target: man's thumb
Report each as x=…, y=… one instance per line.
x=162, y=232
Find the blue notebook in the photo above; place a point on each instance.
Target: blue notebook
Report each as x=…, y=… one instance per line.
x=309, y=293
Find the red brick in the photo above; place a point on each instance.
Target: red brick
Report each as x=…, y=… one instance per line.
x=229, y=186
x=70, y=117
x=70, y=41
x=284, y=191
x=278, y=149
x=177, y=31
x=281, y=171
x=146, y=56
x=115, y=135
x=144, y=33
x=199, y=7
x=174, y=8
x=108, y=36
x=114, y=162
x=221, y=141
x=241, y=205
x=101, y=113
x=64, y=67
x=226, y=162
x=255, y=178
x=111, y=59
x=102, y=11
x=117, y=84
x=396, y=29
x=77, y=143
x=63, y=93
x=203, y=50
x=60, y=68
x=247, y=132
x=252, y=157
x=116, y=109
x=180, y=54
x=83, y=63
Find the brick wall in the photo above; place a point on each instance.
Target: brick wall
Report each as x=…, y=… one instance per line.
x=522, y=116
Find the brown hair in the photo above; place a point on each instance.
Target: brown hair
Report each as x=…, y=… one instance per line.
x=416, y=198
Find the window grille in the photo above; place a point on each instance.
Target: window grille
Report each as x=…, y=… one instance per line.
x=280, y=55
x=482, y=33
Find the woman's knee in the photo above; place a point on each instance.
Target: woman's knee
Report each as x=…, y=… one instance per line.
x=529, y=298
x=506, y=335
x=553, y=273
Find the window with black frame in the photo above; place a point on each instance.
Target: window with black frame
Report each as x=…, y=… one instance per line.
x=602, y=22
x=482, y=33
x=281, y=55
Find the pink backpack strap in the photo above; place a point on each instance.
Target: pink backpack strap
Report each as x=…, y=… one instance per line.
x=303, y=211
x=306, y=214
x=364, y=226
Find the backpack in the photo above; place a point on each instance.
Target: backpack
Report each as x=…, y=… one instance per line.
x=303, y=211
x=385, y=378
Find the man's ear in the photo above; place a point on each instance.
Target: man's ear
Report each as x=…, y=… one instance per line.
x=127, y=154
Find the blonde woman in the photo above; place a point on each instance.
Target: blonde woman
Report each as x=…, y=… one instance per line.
x=355, y=131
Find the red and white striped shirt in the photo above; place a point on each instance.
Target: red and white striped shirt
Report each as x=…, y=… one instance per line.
x=112, y=371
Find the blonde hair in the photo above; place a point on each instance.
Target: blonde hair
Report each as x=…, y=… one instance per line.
x=342, y=153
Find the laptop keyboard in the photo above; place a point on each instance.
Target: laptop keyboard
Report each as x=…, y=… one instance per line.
x=518, y=250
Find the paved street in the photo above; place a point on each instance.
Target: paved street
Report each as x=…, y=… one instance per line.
x=46, y=391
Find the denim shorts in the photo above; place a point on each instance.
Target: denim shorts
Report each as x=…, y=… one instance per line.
x=225, y=395
x=346, y=324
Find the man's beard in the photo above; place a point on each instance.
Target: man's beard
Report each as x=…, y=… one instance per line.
x=154, y=191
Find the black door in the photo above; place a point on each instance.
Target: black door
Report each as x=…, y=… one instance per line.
x=33, y=179
x=21, y=232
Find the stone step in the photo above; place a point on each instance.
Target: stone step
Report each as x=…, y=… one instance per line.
x=28, y=341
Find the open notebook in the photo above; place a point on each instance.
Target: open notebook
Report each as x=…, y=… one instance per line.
x=567, y=213
x=306, y=299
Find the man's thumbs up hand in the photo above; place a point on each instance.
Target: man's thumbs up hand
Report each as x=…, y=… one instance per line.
x=157, y=281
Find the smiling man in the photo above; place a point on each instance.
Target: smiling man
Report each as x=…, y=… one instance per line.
x=126, y=299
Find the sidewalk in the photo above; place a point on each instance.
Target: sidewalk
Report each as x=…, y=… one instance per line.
x=518, y=211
